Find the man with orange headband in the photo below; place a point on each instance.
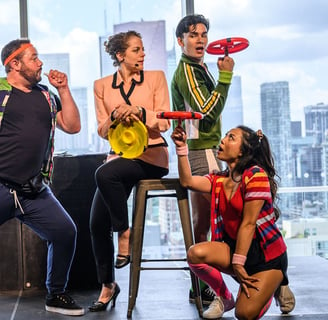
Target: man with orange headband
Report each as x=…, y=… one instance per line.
x=29, y=113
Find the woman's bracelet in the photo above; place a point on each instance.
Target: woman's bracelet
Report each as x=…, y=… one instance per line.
x=112, y=115
x=238, y=259
x=182, y=151
x=140, y=112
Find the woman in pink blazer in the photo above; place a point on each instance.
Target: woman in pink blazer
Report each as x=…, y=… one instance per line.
x=127, y=95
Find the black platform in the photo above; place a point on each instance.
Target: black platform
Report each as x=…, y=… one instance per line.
x=24, y=254
x=163, y=295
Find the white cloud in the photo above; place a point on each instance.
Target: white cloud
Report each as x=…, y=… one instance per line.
x=41, y=25
x=84, y=56
x=82, y=47
x=284, y=32
x=306, y=86
x=287, y=38
x=9, y=12
x=287, y=43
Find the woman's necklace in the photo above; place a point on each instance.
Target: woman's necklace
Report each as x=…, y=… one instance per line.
x=230, y=188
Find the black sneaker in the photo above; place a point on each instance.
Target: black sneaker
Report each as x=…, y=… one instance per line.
x=207, y=295
x=64, y=304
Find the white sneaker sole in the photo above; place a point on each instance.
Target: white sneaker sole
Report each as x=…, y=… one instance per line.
x=67, y=312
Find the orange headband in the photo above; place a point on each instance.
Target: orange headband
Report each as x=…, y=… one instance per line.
x=17, y=52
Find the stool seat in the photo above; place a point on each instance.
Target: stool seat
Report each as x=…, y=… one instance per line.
x=140, y=196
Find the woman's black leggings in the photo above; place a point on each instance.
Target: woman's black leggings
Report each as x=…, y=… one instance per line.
x=109, y=211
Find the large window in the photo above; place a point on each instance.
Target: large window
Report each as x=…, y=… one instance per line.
x=69, y=36
x=278, y=83
x=282, y=89
x=9, y=22
x=285, y=44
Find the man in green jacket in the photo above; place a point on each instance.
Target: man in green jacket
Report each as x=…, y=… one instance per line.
x=193, y=88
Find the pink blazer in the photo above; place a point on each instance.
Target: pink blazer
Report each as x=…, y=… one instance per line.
x=152, y=94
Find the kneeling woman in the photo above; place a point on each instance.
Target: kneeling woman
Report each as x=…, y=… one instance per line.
x=247, y=242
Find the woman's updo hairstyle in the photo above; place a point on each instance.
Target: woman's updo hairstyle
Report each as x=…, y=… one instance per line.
x=118, y=43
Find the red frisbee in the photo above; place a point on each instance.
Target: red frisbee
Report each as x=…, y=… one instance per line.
x=226, y=46
x=180, y=115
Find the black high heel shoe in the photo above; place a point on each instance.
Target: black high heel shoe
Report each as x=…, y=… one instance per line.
x=122, y=261
x=102, y=306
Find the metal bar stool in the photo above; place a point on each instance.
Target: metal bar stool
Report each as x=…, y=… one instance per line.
x=138, y=223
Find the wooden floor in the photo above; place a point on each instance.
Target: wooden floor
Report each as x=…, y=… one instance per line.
x=164, y=295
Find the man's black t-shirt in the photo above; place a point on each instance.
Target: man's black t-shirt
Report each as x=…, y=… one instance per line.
x=24, y=135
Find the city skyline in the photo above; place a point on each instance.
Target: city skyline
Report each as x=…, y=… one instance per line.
x=285, y=40
x=154, y=34
x=286, y=45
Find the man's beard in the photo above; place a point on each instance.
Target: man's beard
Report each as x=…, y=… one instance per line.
x=32, y=77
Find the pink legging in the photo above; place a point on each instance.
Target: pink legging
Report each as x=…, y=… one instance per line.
x=212, y=277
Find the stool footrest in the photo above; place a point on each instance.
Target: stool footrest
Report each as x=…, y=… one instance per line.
x=163, y=195
x=162, y=260
x=164, y=268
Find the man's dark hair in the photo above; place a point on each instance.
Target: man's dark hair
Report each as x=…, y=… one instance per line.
x=9, y=48
x=190, y=20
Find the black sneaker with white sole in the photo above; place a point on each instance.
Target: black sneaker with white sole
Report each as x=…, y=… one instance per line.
x=64, y=304
x=207, y=295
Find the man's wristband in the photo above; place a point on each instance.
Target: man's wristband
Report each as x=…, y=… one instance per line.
x=182, y=151
x=225, y=77
x=238, y=259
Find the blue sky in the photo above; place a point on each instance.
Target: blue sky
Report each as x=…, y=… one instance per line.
x=287, y=39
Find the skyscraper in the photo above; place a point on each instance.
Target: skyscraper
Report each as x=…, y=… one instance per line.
x=276, y=125
x=316, y=127
x=153, y=37
x=316, y=122
x=76, y=143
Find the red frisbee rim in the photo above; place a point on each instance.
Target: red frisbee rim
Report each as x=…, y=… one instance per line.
x=227, y=45
x=181, y=115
